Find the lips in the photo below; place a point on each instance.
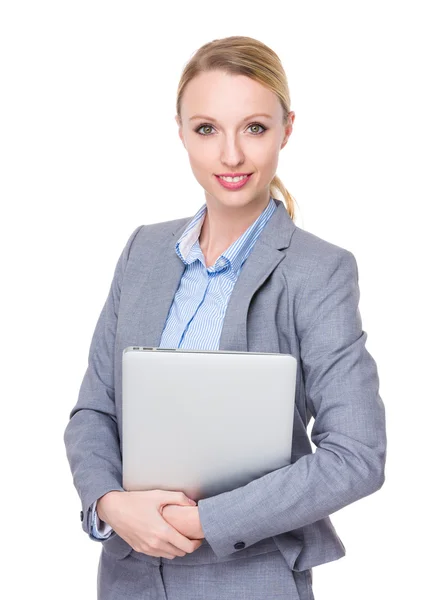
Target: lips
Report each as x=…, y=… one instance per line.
x=236, y=185
x=232, y=174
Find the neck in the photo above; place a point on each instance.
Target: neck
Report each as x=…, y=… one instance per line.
x=223, y=225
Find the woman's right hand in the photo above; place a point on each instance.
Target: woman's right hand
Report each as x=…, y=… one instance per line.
x=137, y=518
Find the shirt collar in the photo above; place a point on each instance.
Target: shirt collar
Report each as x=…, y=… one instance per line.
x=188, y=248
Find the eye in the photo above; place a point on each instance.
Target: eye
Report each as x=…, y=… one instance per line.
x=258, y=125
x=201, y=127
x=208, y=126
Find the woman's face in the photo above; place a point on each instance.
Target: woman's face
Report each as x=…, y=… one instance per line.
x=222, y=140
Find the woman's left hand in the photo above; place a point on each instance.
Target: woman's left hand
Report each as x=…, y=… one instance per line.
x=185, y=519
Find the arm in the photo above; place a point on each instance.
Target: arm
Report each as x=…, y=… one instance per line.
x=91, y=436
x=99, y=529
x=341, y=386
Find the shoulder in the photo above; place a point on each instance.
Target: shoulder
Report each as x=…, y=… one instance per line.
x=326, y=276
x=156, y=232
x=150, y=237
x=319, y=272
x=310, y=257
x=308, y=249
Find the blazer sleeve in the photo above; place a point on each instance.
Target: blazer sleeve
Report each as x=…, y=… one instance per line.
x=342, y=392
x=99, y=529
x=91, y=436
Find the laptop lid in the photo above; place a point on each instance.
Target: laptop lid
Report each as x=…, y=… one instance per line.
x=204, y=422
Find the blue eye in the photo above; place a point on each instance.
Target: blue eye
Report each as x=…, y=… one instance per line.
x=207, y=125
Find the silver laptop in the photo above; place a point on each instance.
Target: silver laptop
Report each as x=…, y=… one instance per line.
x=204, y=422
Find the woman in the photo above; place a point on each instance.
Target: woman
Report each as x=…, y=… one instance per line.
x=239, y=275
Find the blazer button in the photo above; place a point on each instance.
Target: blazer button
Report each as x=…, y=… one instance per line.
x=239, y=545
x=82, y=516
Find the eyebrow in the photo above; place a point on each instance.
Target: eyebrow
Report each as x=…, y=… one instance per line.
x=245, y=119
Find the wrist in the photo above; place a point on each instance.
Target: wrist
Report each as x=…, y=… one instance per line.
x=105, y=503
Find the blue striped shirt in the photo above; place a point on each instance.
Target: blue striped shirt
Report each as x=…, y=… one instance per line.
x=197, y=312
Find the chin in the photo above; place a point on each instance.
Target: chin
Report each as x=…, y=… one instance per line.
x=230, y=199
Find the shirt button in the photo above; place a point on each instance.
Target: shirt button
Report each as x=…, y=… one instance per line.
x=239, y=545
x=81, y=516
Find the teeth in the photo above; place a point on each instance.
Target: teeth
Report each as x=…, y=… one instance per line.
x=233, y=179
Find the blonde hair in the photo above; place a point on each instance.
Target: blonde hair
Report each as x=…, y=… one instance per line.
x=242, y=55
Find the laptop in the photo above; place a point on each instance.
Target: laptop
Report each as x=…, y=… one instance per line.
x=204, y=422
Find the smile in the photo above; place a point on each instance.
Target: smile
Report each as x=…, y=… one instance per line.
x=233, y=183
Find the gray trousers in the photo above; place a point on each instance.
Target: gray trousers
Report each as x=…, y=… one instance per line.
x=262, y=577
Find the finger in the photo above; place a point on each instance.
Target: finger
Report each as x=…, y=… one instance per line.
x=172, y=550
x=196, y=545
x=177, y=552
x=178, y=498
x=180, y=541
x=159, y=554
x=165, y=549
x=168, y=550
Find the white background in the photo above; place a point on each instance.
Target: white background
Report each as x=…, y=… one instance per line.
x=89, y=150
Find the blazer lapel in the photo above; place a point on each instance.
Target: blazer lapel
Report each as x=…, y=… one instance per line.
x=267, y=253
x=167, y=269
x=160, y=283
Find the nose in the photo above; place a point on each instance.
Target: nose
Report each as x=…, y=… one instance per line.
x=231, y=152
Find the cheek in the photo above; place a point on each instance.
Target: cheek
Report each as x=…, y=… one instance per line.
x=263, y=156
x=263, y=162
x=201, y=158
x=267, y=159
x=273, y=161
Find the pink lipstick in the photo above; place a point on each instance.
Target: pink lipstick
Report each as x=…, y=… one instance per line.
x=236, y=185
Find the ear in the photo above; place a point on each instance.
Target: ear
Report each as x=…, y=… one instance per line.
x=180, y=129
x=288, y=129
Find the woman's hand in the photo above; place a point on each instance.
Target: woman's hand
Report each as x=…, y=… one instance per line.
x=137, y=518
x=184, y=519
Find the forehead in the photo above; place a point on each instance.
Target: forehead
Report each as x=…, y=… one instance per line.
x=225, y=96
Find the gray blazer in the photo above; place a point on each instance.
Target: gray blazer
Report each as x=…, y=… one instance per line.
x=296, y=294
